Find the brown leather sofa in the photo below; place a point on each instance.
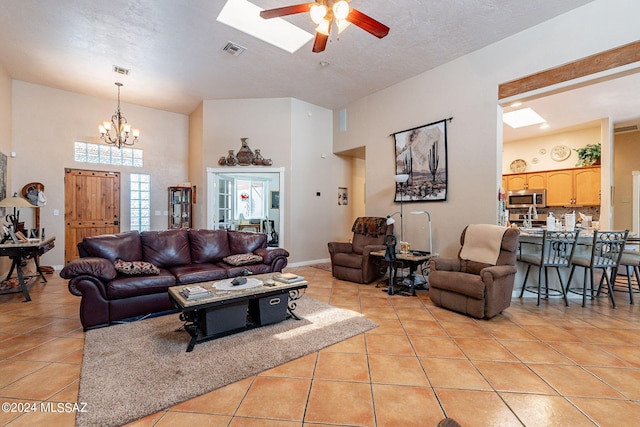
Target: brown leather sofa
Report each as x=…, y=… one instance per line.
x=183, y=256
x=478, y=289
x=352, y=261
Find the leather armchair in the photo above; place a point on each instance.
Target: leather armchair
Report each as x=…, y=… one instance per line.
x=477, y=288
x=352, y=261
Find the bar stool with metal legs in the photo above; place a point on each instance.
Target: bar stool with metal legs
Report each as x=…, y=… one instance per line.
x=556, y=251
x=630, y=260
x=605, y=254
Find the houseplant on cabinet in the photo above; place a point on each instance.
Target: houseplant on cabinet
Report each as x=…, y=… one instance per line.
x=588, y=155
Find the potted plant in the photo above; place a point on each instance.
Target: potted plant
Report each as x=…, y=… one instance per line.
x=588, y=155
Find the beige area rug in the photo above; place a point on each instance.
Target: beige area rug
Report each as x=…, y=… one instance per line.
x=136, y=369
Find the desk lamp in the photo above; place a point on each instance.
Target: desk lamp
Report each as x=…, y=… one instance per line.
x=15, y=202
x=429, y=219
x=390, y=221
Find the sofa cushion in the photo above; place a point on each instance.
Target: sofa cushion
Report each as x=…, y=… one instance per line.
x=125, y=245
x=135, y=268
x=195, y=273
x=131, y=286
x=166, y=248
x=242, y=242
x=208, y=245
x=242, y=259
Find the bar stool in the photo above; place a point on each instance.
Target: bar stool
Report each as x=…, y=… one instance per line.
x=556, y=251
x=605, y=254
x=630, y=260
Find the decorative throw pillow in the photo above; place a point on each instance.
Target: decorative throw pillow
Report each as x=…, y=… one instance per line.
x=242, y=259
x=135, y=268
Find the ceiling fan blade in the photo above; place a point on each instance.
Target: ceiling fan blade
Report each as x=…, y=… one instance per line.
x=367, y=23
x=284, y=11
x=320, y=42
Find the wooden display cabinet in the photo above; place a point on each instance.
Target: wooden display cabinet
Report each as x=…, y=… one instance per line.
x=180, y=212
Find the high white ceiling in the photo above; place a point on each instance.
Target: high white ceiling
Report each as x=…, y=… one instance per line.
x=174, y=48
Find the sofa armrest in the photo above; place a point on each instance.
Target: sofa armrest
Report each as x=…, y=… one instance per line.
x=340, y=247
x=444, y=264
x=271, y=254
x=101, y=268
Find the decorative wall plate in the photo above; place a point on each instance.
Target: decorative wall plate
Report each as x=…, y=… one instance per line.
x=560, y=153
x=534, y=160
x=543, y=151
x=518, y=166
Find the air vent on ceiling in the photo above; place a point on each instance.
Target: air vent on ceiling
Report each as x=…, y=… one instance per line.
x=121, y=70
x=234, y=48
x=624, y=129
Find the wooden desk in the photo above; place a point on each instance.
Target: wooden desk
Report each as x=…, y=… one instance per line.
x=413, y=261
x=20, y=251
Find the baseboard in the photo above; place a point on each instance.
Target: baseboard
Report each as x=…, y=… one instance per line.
x=304, y=263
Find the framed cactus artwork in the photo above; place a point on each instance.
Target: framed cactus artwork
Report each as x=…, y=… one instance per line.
x=421, y=154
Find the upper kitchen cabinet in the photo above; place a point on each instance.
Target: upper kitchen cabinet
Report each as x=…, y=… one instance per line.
x=579, y=187
x=526, y=181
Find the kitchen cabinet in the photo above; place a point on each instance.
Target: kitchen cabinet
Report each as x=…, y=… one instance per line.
x=526, y=181
x=580, y=187
x=180, y=214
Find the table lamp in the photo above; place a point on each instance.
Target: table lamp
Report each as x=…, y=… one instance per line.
x=15, y=202
x=429, y=219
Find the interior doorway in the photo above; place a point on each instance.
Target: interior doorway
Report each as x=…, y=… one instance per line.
x=92, y=206
x=249, y=199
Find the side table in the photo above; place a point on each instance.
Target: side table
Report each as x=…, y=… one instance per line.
x=18, y=252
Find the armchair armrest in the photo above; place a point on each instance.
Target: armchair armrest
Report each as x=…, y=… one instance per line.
x=496, y=272
x=101, y=268
x=373, y=248
x=340, y=247
x=444, y=264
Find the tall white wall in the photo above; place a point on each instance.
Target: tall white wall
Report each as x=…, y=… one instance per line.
x=295, y=135
x=466, y=89
x=46, y=123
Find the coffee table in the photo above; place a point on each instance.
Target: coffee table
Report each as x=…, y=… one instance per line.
x=231, y=309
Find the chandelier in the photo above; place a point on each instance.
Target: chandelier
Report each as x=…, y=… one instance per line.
x=117, y=131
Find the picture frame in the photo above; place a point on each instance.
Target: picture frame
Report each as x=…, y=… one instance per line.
x=343, y=196
x=421, y=153
x=275, y=200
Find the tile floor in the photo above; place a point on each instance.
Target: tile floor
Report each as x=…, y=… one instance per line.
x=532, y=366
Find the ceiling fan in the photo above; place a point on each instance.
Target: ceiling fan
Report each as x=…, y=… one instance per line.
x=324, y=12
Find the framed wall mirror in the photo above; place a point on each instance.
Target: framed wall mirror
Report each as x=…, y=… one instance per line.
x=243, y=199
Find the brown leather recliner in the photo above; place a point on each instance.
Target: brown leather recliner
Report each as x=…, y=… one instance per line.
x=473, y=284
x=352, y=261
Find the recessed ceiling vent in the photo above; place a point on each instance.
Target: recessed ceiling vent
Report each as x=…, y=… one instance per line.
x=121, y=70
x=234, y=48
x=625, y=129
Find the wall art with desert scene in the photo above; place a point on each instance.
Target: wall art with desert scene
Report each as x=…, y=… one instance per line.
x=421, y=153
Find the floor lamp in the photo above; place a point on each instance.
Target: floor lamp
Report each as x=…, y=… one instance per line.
x=401, y=179
x=429, y=220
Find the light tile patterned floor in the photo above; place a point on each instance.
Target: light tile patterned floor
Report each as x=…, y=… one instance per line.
x=533, y=366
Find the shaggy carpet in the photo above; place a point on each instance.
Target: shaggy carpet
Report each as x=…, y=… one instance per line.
x=136, y=369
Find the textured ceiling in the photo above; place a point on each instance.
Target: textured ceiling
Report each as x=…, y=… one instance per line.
x=174, y=48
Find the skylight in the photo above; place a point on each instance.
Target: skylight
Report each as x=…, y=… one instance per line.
x=521, y=118
x=245, y=16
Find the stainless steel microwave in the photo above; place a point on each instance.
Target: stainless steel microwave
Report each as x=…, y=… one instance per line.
x=526, y=198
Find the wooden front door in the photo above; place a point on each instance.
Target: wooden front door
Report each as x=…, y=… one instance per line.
x=92, y=206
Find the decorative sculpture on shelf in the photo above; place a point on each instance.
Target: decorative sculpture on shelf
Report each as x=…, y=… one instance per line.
x=244, y=157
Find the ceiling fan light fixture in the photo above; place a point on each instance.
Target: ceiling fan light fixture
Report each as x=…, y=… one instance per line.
x=341, y=10
x=318, y=12
x=342, y=24
x=324, y=27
